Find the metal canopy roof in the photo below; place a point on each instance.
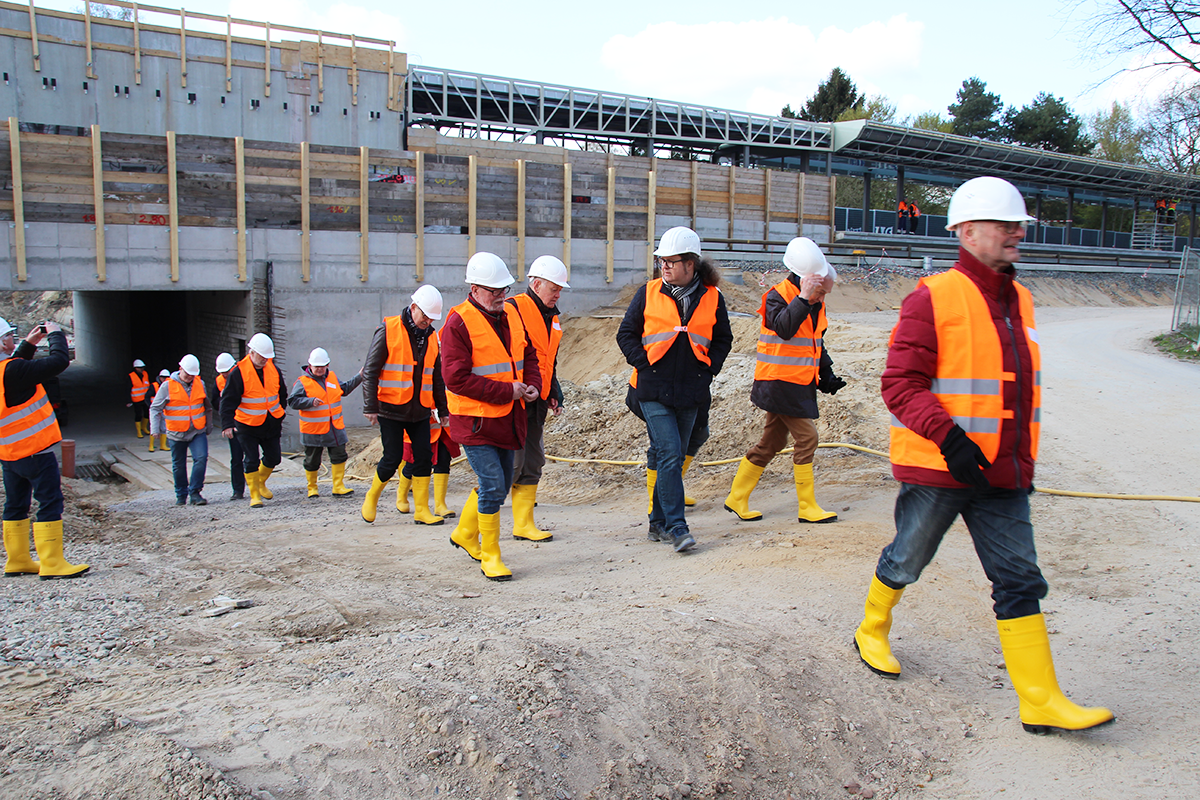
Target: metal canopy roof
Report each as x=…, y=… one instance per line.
x=1028, y=167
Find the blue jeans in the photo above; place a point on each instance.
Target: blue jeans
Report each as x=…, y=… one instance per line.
x=179, y=453
x=33, y=476
x=998, y=520
x=494, y=468
x=670, y=430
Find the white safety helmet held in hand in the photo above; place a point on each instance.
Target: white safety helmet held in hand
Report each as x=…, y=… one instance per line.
x=190, y=364
x=318, y=358
x=488, y=269
x=262, y=344
x=551, y=269
x=803, y=257
x=166, y=373
x=678, y=241
x=225, y=362
x=5, y=328
x=429, y=300
x=137, y=362
x=986, y=198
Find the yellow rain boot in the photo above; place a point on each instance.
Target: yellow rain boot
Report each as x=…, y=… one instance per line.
x=421, y=514
x=371, y=501
x=152, y=439
x=1044, y=708
x=651, y=479
x=264, y=472
x=466, y=533
x=138, y=424
x=744, y=482
x=523, y=498
x=47, y=536
x=339, y=480
x=162, y=442
x=402, y=487
x=312, y=482
x=252, y=485
x=489, y=547
x=871, y=638
x=441, y=480
x=687, y=462
x=16, y=545
x=809, y=511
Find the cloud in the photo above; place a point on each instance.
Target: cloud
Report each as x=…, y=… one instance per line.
x=759, y=65
x=343, y=18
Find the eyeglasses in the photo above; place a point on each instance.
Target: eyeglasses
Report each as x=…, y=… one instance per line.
x=667, y=262
x=503, y=290
x=1009, y=227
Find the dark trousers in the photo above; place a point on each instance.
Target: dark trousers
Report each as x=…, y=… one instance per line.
x=391, y=432
x=237, y=479
x=312, y=456
x=35, y=477
x=141, y=411
x=440, y=467
x=251, y=445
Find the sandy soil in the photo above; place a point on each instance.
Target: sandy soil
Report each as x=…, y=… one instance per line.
x=377, y=662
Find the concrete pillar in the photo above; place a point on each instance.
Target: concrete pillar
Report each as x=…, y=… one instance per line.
x=804, y=161
x=539, y=137
x=745, y=155
x=1038, y=234
x=1070, y=216
x=866, y=203
x=1103, y=222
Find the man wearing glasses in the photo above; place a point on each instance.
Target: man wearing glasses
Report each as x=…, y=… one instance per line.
x=963, y=384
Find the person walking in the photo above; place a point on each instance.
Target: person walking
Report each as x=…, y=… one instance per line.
x=902, y=214
x=28, y=433
x=317, y=395
x=444, y=450
x=792, y=366
x=673, y=372
x=402, y=385
x=155, y=385
x=139, y=380
x=179, y=412
x=252, y=408
x=237, y=478
x=963, y=384
x=492, y=372
x=914, y=217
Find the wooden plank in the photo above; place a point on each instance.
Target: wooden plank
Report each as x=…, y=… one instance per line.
x=98, y=203
x=183, y=47
x=419, y=221
x=137, y=49
x=173, y=205
x=267, y=61
x=800, y=206
x=33, y=35
x=610, y=233
x=832, y=202
x=240, y=158
x=520, y=219
x=18, y=195
x=766, y=206
x=228, y=53
x=87, y=28
x=732, y=201
x=364, y=227
x=472, y=211
x=567, y=214
x=305, y=214
x=651, y=216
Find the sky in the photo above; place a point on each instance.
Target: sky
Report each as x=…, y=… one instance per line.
x=753, y=57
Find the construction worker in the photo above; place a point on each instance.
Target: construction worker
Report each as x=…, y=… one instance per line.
x=402, y=386
x=673, y=372
x=491, y=370
x=902, y=214
x=179, y=412
x=252, y=408
x=538, y=307
x=8, y=341
x=28, y=433
x=139, y=397
x=792, y=366
x=695, y=442
x=237, y=478
x=155, y=385
x=317, y=395
x=963, y=384
x=914, y=217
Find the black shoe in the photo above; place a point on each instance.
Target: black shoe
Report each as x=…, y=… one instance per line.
x=181, y=501
x=683, y=542
x=237, y=496
x=197, y=500
x=657, y=534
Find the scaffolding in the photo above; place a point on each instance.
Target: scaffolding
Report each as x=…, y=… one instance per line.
x=1151, y=232
x=1186, y=318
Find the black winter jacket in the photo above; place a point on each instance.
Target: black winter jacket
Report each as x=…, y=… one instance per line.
x=782, y=397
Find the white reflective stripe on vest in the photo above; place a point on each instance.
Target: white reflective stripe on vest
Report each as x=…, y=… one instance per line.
x=980, y=386
x=968, y=424
x=768, y=339
x=658, y=337
x=788, y=360
x=12, y=417
x=493, y=369
x=25, y=434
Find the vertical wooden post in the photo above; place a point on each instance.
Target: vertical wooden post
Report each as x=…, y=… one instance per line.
x=419, y=222
x=267, y=63
x=228, y=53
x=137, y=47
x=472, y=169
x=305, y=213
x=353, y=70
x=832, y=216
x=766, y=209
x=98, y=203
x=18, y=195
x=611, y=234
x=391, y=76
x=320, y=69
x=800, y=206
x=520, y=219
x=364, y=209
x=173, y=203
x=651, y=219
x=567, y=214
x=183, y=47
x=87, y=32
x=240, y=153
x=732, y=201
x=37, y=58
x=695, y=188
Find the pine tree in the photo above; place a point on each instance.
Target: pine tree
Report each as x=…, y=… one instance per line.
x=975, y=112
x=836, y=95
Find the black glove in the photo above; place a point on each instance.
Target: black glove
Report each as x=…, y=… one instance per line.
x=964, y=458
x=830, y=383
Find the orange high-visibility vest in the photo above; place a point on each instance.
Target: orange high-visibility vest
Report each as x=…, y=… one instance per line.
x=490, y=359
x=796, y=360
x=970, y=372
x=258, y=400
x=546, y=344
x=396, y=378
x=661, y=323
x=28, y=428
x=141, y=385
x=327, y=415
x=220, y=383
x=183, y=410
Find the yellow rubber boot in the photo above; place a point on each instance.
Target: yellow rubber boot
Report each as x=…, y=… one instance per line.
x=744, y=482
x=421, y=513
x=252, y=485
x=16, y=546
x=371, y=501
x=809, y=511
x=651, y=479
x=402, y=487
x=162, y=442
x=523, y=498
x=138, y=424
x=466, y=533
x=489, y=547
x=152, y=440
x=338, y=472
x=264, y=472
x=871, y=638
x=687, y=462
x=1044, y=708
x=48, y=536
x=441, y=481
x=312, y=482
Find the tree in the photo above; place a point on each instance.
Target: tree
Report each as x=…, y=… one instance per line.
x=1049, y=124
x=1167, y=30
x=930, y=121
x=975, y=112
x=788, y=113
x=1118, y=135
x=1173, y=131
x=836, y=95
x=877, y=108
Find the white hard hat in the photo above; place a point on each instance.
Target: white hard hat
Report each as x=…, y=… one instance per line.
x=803, y=257
x=429, y=300
x=986, y=198
x=318, y=358
x=551, y=269
x=190, y=364
x=678, y=241
x=488, y=269
x=262, y=344
x=5, y=328
x=137, y=362
x=225, y=362
x=166, y=373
